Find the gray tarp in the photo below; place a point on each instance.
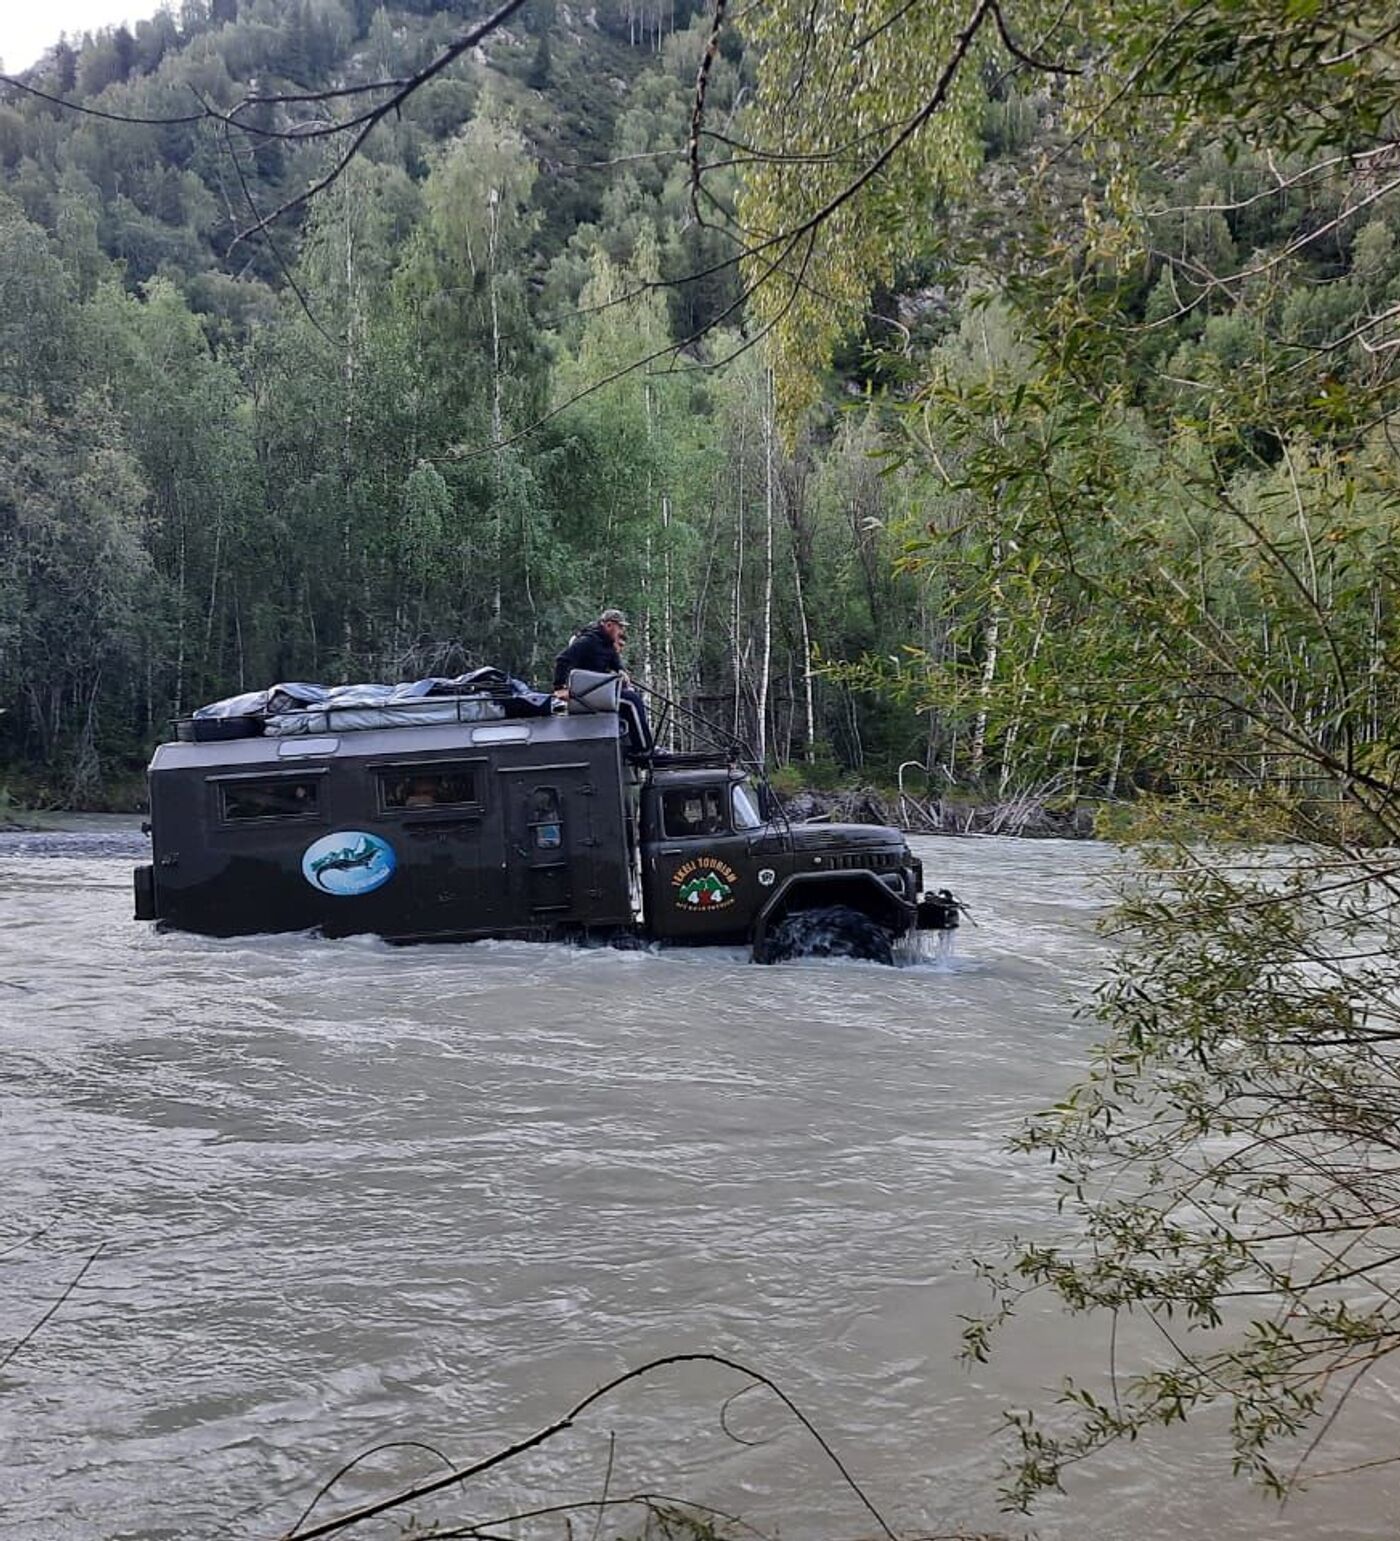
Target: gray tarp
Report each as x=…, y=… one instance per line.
x=297, y=707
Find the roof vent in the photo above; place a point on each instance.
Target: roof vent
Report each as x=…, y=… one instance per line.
x=502, y=733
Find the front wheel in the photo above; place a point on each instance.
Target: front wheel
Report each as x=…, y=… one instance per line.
x=834, y=931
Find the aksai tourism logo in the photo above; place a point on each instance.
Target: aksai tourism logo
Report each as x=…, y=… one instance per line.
x=348, y=863
x=704, y=884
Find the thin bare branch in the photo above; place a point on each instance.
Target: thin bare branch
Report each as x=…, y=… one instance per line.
x=669, y=350
x=697, y=116
x=98, y=112
x=364, y=124
x=500, y=1457
x=271, y=239
x=1031, y=61
x=359, y=1460
x=68, y=1289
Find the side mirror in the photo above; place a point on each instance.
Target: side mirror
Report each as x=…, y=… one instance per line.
x=768, y=805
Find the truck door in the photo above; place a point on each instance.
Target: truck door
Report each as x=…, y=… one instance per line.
x=700, y=880
x=549, y=839
x=565, y=843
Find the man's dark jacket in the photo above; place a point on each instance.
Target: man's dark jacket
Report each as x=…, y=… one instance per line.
x=593, y=650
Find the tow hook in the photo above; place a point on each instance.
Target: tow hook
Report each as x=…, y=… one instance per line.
x=941, y=911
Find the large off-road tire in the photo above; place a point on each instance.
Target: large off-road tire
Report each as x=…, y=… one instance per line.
x=833, y=931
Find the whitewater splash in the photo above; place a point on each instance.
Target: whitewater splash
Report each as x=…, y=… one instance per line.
x=917, y=949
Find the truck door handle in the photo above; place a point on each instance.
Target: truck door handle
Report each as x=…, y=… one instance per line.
x=671, y=850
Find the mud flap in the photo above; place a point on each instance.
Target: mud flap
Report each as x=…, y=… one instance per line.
x=144, y=880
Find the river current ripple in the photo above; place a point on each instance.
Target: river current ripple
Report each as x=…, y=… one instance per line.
x=348, y=1194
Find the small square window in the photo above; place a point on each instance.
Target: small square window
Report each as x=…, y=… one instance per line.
x=545, y=819
x=405, y=789
x=281, y=798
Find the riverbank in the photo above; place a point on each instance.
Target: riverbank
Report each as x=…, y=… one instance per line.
x=76, y=835
x=1028, y=817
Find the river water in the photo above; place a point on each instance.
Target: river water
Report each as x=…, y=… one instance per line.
x=348, y=1194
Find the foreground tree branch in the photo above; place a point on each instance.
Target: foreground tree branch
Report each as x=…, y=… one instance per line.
x=463, y=1474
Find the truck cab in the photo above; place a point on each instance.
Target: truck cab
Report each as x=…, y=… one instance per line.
x=722, y=864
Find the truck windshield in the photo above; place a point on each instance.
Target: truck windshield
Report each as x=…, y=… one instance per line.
x=745, y=811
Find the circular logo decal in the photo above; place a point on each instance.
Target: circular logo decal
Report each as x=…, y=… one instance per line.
x=348, y=863
x=767, y=877
x=704, y=884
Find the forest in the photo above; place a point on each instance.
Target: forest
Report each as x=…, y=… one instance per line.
x=477, y=388
x=378, y=441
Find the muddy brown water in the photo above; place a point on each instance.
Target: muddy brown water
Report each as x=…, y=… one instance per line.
x=348, y=1194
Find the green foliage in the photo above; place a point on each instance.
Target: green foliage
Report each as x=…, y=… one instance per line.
x=856, y=74
x=351, y=478
x=76, y=577
x=364, y=486
x=1158, y=531
x=1247, y=1067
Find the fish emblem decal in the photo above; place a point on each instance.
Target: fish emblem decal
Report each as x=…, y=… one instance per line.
x=348, y=863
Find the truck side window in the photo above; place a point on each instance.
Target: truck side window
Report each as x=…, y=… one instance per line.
x=434, y=786
x=281, y=798
x=546, y=825
x=691, y=811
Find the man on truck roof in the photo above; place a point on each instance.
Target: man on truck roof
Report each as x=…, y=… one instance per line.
x=598, y=649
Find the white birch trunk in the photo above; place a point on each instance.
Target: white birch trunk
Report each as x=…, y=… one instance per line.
x=809, y=706
x=668, y=650
x=991, y=640
x=643, y=665
x=737, y=609
x=348, y=418
x=497, y=415
x=213, y=591
x=1014, y=731
x=768, y=501
x=180, y=614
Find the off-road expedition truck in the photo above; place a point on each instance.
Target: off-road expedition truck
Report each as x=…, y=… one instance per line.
x=483, y=811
